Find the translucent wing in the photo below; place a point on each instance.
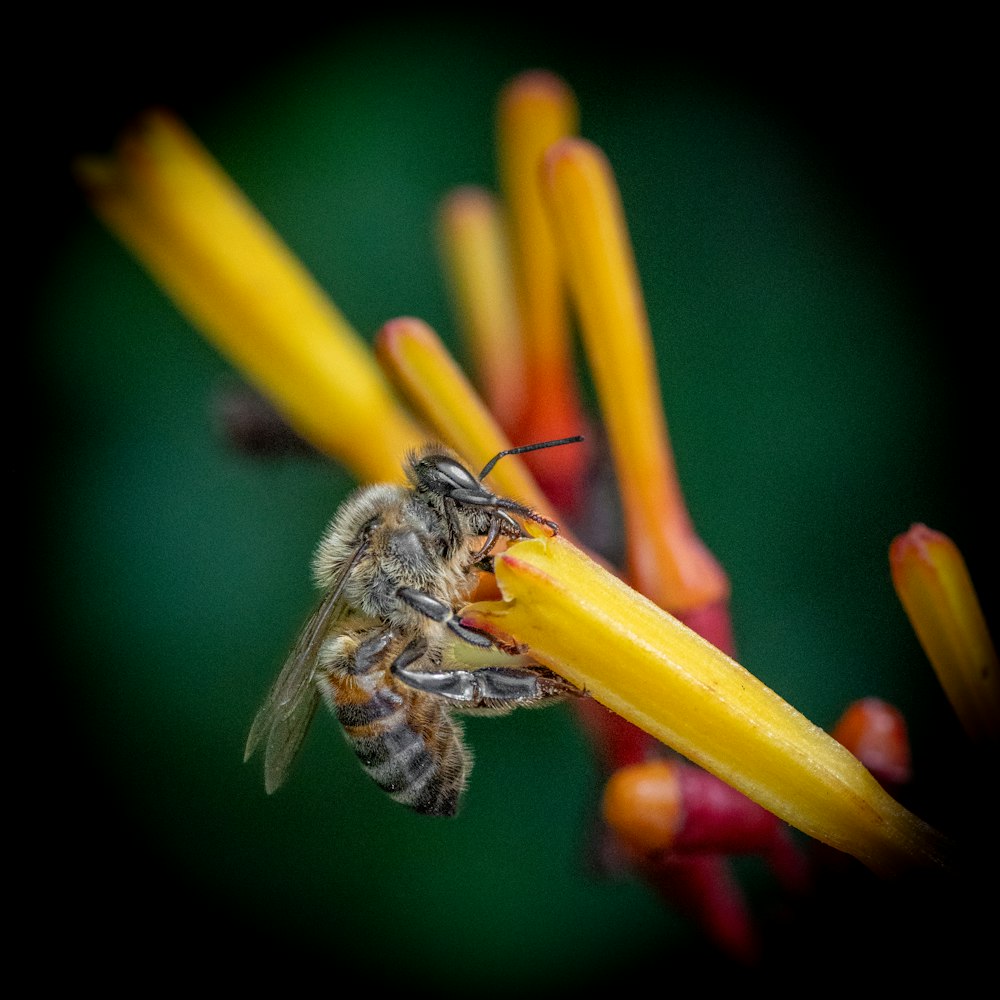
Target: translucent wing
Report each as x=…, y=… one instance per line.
x=284, y=717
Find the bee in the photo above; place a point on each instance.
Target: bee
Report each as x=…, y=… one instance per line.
x=396, y=565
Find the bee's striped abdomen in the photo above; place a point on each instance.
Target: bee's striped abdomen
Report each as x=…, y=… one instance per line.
x=408, y=744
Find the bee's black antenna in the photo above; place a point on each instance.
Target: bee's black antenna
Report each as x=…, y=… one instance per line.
x=526, y=447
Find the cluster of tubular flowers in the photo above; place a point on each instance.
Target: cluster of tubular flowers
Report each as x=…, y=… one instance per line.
x=649, y=641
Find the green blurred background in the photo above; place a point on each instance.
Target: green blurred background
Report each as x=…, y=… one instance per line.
x=801, y=221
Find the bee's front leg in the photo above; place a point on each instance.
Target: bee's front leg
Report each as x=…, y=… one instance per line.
x=439, y=611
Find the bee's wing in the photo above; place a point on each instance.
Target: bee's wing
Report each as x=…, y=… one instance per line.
x=284, y=717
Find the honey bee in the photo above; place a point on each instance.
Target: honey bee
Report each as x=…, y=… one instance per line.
x=396, y=565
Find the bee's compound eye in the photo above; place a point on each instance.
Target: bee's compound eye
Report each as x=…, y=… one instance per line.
x=443, y=474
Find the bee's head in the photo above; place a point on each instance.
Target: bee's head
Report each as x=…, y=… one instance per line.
x=436, y=470
x=437, y=475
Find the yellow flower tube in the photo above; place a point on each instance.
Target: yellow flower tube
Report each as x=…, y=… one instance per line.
x=168, y=200
x=535, y=109
x=934, y=587
x=666, y=559
x=436, y=388
x=644, y=665
x=476, y=260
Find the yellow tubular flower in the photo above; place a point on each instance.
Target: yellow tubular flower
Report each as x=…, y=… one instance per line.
x=536, y=109
x=477, y=265
x=433, y=384
x=646, y=666
x=666, y=560
x=934, y=586
x=168, y=201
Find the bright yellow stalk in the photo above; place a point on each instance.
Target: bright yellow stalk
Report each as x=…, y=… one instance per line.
x=438, y=390
x=535, y=109
x=477, y=265
x=934, y=586
x=666, y=559
x=646, y=666
x=168, y=200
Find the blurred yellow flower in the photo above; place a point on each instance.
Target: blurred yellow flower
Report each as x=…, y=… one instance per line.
x=165, y=197
x=935, y=589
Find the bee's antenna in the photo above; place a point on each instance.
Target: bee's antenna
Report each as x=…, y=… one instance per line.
x=526, y=447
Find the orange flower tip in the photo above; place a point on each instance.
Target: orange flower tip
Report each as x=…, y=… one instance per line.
x=658, y=806
x=875, y=732
x=575, y=153
x=914, y=543
x=643, y=805
x=406, y=349
x=406, y=337
x=537, y=86
x=661, y=805
x=465, y=201
x=713, y=622
x=394, y=331
x=151, y=135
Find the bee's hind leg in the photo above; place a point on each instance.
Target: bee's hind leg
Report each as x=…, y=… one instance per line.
x=488, y=688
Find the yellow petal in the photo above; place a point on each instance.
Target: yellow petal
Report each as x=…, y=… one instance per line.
x=934, y=586
x=477, y=265
x=666, y=559
x=220, y=262
x=643, y=664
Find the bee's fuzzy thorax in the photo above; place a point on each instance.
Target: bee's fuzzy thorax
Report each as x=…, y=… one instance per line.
x=338, y=543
